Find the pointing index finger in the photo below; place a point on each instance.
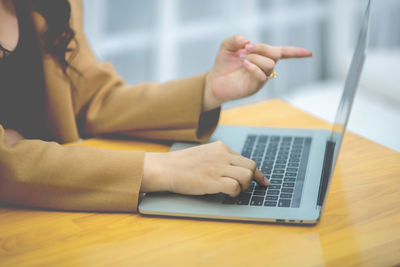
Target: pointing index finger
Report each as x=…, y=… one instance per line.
x=278, y=52
x=293, y=52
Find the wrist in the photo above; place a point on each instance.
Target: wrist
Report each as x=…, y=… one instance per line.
x=210, y=101
x=154, y=179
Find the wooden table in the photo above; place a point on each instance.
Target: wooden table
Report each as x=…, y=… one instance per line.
x=360, y=224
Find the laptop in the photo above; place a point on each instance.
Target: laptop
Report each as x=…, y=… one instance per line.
x=298, y=162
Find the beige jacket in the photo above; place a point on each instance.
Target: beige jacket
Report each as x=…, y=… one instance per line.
x=50, y=175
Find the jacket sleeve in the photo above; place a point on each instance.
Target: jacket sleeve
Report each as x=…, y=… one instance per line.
x=49, y=175
x=105, y=104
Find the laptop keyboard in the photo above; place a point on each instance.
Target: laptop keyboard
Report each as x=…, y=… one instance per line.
x=283, y=159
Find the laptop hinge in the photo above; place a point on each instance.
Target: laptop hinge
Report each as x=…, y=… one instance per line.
x=326, y=171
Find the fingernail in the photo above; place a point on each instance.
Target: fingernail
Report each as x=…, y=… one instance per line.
x=266, y=181
x=246, y=62
x=249, y=47
x=306, y=52
x=242, y=55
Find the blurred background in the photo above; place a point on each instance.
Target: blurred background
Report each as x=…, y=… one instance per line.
x=159, y=40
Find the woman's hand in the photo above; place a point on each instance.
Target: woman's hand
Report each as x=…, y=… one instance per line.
x=241, y=69
x=206, y=169
x=12, y=136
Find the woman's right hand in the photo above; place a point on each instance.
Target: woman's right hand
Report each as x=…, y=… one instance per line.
x=205, y=169
x=12, y=136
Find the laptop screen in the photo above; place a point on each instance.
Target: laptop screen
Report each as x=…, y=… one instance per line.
x=350, y=87
x=345, y=105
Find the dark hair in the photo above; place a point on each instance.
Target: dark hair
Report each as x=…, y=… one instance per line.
x=59, y=34
x=28, y=114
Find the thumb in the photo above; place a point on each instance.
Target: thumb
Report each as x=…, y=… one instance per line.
x=234, y=43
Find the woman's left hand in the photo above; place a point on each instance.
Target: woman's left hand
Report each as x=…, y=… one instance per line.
x=242, y=68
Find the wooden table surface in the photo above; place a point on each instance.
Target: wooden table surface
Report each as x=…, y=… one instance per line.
x=360, y=224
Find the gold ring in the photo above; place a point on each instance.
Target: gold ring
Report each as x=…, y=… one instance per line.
x=271, y=75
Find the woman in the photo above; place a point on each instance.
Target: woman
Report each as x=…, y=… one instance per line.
x=53, y=91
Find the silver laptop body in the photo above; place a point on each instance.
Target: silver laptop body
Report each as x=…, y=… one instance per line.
x=304, y=191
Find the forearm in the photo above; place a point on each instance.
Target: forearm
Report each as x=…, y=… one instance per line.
x=48, y=175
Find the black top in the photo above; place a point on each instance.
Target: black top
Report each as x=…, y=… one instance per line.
x=22, y=90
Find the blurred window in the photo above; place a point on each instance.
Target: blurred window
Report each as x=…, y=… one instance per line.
x=166, y=39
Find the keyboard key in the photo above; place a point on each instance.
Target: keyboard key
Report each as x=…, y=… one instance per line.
x=285, y=195
x=279, y=171
x=259, y=187
x=270, y=203
x=281, y=162
x=274, y=186
x=287, y=190
x=259, y=193
x=260, y=146
x=257, y=201
x=284, y=203
x=283, y=151
x=292, y=169
x=290, y=174
x=266, y=170
x=280, y=157
x=251, y=137
x=272, y=192
x=288, y=185
x=275, y=138
x=280, y=166
x=278, y=176
x=292, y=164
x=272, y=198
x=269, y=162
x=276, y=181
x=243, y=199
x=289, y=179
